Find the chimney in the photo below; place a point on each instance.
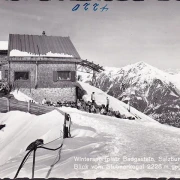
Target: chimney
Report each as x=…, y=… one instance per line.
x=43, y=33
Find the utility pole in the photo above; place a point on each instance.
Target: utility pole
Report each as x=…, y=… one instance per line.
x=94, y=78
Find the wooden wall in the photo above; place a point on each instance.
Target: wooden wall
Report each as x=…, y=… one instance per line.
x=44, y=74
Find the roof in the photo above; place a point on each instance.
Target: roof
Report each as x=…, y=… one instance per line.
x=41, y=46
x=3, y=45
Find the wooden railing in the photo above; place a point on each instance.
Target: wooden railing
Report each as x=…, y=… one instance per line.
x=11, y=104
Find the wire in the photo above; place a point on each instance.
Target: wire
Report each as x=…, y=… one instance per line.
x=59, y=154
x=33, y=167
x=59, y=157
x=36, y=146
x=22, y=163
x=54, y=139
x=29, y=153
x=26, y=159
x=50, y=149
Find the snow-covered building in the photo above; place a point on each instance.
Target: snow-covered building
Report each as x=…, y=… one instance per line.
x=42, y=66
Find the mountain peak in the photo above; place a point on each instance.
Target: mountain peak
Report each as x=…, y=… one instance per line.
x=145, y=71
x=139, y=67
x=141, y=63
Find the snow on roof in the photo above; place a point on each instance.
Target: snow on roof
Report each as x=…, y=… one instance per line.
x=3, y=45
x=41, y=45
x=18, y=53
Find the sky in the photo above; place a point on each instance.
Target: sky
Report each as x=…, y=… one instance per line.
x=128, y=32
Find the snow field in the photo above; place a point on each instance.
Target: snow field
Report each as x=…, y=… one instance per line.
x=101, y=146
x=100, y=137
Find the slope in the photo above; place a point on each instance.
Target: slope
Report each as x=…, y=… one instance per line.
x=110, y=147
x=114, y=103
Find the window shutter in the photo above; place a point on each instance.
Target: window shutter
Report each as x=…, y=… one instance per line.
x=55, y=76
x=73, y=76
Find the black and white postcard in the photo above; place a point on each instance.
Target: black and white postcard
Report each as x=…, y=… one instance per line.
x=89, y=89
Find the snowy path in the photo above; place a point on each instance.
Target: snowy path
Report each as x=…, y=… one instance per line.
x=135, y=139
x=97, y=136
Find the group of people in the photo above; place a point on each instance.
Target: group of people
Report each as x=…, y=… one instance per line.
x=94, y=102
x=58, y=103
x=104, y=109
x=91, y=107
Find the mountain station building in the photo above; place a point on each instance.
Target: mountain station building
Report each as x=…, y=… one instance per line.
x=42, y=66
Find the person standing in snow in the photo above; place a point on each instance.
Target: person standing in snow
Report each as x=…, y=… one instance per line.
x=103, y=110
x=44, y=101
x=129, y=105
x=107, y=104
x=79, y=104
x=93, y=98
x=93, y=109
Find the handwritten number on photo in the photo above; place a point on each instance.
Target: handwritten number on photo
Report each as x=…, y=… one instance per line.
x=86, y=7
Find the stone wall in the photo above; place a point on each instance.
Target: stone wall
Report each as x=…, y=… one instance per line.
x=52, y=94
x=3, y=68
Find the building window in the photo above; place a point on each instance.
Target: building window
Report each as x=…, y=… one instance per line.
x=63, y=75
x=6, y=74
x=21, y=75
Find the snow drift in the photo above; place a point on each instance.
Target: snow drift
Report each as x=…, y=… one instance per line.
x=23, y=128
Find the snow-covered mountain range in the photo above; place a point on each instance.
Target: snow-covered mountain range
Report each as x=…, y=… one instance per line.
x=148, y=89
